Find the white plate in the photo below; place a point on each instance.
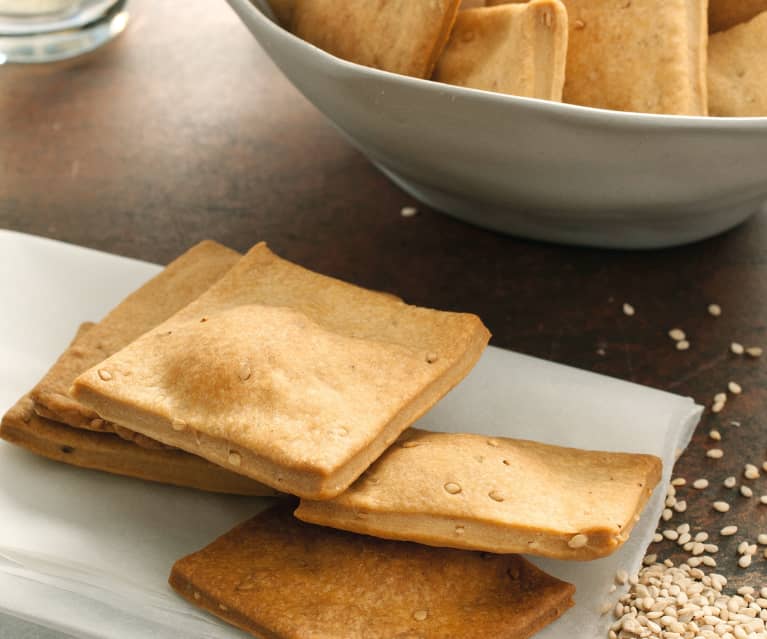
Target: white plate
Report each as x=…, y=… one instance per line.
x=89, y=553
x=538, y=169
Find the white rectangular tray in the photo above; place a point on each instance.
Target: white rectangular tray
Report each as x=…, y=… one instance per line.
x=88, y=553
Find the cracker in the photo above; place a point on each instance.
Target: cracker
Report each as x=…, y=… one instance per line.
x=723, y=14
x=109, y=453
x=179, y=283
x=276, y=577
x=737, y=70
x=495, y=494
x=519, y=49
x=646, y=56
x=400, y=36
x=296, y=379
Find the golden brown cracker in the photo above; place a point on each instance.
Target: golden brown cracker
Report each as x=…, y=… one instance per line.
x=520, y=49
x=293, y=378
x=400, y=36
x=737, y=70
x=646, y=56
x=276, y=577
x=495, y=494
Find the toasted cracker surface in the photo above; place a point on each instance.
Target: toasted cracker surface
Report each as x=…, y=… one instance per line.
x=296, y=379
x=279, y=578
x=495, y=494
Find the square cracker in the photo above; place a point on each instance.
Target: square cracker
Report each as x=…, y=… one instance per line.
x=723, y=14
x=296, y=379
x=646, y=56
x=276, y=577
x=520, y=49
x=109, y=453
x=179, y=283
x=737, y=70
x=400, y=36
x=495, y=494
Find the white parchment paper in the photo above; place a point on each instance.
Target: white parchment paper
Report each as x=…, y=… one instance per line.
x=89, y=553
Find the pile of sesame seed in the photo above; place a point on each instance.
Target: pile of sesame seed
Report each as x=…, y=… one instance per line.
x=668, y=601
x=682, y=602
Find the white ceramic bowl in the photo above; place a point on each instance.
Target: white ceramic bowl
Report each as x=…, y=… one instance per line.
x=532, y=168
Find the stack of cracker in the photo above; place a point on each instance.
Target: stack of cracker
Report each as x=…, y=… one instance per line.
x=249, y=374
x=648, y=56
x=50, y=422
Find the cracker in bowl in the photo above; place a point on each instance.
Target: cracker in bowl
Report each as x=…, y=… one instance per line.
x=518, y=49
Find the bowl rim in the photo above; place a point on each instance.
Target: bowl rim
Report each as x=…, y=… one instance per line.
x=592, y=115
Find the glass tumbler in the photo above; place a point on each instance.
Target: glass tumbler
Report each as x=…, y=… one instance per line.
x=47, y=30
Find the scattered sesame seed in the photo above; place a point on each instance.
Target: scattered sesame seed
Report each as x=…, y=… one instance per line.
x=235, y=459
x=701, y=536
x=744, y=561
x=452, y=488
x=431, y=358
x=717, y=407
x=671, y=534
x=754, y=351
x=408, y=211
x=715, y=435
x=621, y=577
x=762, y=539
x=700, y=484
x=715, y=310
x=763, y=499
x=734, y=388
x=678, y=481
x=715, y=453
x=751, y=472
x=721, y=506
x=677, y=334
x=736, y=348
x=728, y=531
x=682, y=345
x=420, y=615
x=720, y=397
x=684, y=539
x=628, y=309
x=178, y=424
x=578, y=541
x=680, y=506
x=497, y=495
x=657, y=538
x=104, y=374
x=730, y=482
x=493, y=443
x=746, y=491
x=683, y=528
x=667, y=514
